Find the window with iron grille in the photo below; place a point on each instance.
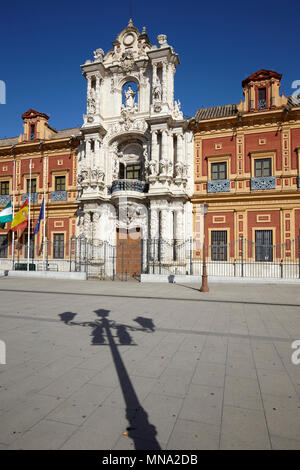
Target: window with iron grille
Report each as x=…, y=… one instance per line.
x=133, y=172
x=32, y=131
x=219, y=171
x=31, y=252
x=33, y=186
x=262, y=95
x=262, y=167
x=4, y=188
x=219, y=245
x=58, y=245
x=60, y=183
x=3, y=246
x=263, y=245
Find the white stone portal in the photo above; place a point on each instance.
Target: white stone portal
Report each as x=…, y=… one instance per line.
x=136, y=149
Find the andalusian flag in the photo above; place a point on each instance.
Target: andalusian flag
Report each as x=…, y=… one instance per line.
x=6, y=214
x=21, y=218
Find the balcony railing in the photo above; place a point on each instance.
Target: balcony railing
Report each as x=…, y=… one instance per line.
x=263, y=182
x=298, y=181
x=129, y=185
x=34, y=197
x=262, y=104
x=218, y=186
x=58, y=196
x=4, y=199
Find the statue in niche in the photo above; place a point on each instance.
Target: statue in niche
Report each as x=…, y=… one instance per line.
x=179, y=170
x=163, y=167
x=152, y=168
x=91, y=106
x=129, y=98
x=157, y=91
x=100, y=175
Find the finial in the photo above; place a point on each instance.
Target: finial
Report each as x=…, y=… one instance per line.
x=144, y=30
x=130, y=23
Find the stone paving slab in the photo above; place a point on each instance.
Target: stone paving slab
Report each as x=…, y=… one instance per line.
x=112, y=365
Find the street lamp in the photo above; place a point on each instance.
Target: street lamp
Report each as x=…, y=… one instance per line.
x=204, y=287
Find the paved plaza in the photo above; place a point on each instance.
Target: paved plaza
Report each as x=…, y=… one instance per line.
x=112, y=365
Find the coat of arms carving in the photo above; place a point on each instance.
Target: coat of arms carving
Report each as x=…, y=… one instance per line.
x=127, y=61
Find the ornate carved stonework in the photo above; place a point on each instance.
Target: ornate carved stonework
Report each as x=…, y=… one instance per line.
x=127, y=61
x=130, y=144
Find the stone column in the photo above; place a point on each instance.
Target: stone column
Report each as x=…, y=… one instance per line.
x=179, y=148
x=164, y=144
x=154, y=153
x=87, y=225
x=164, y=83
x=154, y=76
x=97, y=95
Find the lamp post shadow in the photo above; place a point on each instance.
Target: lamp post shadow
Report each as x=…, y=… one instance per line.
x=139, y=429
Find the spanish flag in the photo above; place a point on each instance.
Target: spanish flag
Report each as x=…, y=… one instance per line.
x=21, y=218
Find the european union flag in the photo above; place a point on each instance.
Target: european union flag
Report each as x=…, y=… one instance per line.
x=41, y=216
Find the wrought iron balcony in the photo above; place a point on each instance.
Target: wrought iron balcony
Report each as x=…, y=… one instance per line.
x=218, y=186
x=263, y=182
x=129, y=185
x=59, y=196
x=34, y=197
x=4, y=199
x=262, y=104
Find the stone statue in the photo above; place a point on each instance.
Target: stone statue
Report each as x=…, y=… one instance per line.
x=163, y=167
x=178, y=170
x=129, y=97
x=157, y=91
x=98, y=55
x=152, y=167
x=100, y=175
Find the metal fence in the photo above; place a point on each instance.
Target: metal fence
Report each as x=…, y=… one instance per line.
x=102, y=260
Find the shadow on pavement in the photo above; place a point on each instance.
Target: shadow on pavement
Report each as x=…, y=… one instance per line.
x=139, y=429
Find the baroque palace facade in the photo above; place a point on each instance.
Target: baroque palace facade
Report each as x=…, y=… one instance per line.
x=247, y=167
x=138, y=169
x=53, y=158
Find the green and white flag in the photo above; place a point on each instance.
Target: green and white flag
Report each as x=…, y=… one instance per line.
x=6, y=214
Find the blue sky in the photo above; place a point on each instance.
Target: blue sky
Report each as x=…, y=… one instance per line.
x=43, y=43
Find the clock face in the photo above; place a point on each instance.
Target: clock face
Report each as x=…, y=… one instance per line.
x=128, y=39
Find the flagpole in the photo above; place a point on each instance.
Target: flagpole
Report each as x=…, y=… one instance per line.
x=28, y=241
x=44, y=221
x=13, y=211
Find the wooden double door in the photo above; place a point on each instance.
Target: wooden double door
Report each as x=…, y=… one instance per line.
x=129, y=254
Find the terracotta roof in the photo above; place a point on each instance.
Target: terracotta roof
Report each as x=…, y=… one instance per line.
x=294, y=100
x=215, y=112
x=261, y=74
x=10, y=141
x=59, y=135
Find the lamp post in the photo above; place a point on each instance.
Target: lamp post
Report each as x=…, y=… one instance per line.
x=204, y=286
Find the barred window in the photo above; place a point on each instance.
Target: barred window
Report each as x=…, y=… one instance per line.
x=58, y=246
x=219, y=245
x=263, y=245
x=31, y=253
x=262, y=95
x=32, y=131
x=3, y=246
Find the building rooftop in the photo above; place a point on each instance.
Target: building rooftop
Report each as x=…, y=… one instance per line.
x=60, y=134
